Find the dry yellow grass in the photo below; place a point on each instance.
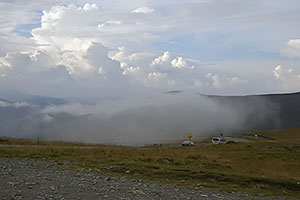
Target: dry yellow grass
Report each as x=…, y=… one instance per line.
x=286, y=135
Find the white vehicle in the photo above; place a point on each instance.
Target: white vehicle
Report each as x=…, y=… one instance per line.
x=218, y=140
x=188, y=143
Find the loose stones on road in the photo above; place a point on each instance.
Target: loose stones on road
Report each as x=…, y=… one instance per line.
x=33, y=179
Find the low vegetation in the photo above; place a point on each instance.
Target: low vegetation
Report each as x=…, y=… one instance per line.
x=261, y=166
x=39, y=142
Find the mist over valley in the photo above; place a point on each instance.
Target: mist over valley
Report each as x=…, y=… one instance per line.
x=165, y=118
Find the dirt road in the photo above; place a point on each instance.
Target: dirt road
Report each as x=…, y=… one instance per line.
x=32, y=179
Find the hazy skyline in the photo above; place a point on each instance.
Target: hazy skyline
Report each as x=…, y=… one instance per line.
x=114, y=48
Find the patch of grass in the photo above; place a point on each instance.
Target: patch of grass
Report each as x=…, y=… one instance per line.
x=291, y=136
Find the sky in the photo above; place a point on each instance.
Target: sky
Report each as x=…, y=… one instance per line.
x=115, y=48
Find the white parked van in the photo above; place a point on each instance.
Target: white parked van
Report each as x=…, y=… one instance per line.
x=218, y=140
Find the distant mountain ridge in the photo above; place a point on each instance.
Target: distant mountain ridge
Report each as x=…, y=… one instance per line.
x=288, y=105
x=37, y=100
x=5, y=101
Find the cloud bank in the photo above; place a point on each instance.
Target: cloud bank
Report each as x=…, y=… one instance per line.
x=165, y=118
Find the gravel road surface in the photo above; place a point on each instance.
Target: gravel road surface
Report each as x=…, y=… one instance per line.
x=32, y=179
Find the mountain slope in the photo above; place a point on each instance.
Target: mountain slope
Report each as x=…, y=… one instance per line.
x=286, y=106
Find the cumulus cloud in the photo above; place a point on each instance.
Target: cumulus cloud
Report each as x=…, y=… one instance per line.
x=162, y=60
x=71, y=27
x=62, y=45
x=129, y=59
x=292, y=48
x=143, y=10
x=157, y=74
x=215, y=80
x=4, y=62
x=159, y=80
x=222, y=82
x=100, y=46
x=167, y=62
x=132, y=71
x=24, y=65
x=62, y=35
x=197, y=83
x=15, y=13
x=97, y=56
x=168, y=71
x=179, y=63
x=289, y=79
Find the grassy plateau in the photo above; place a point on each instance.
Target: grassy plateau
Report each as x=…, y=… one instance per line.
x=270, y=165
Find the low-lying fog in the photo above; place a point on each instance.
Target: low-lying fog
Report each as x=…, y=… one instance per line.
x=163, y=118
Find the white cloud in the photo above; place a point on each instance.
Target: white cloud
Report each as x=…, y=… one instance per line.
x=292, y=48
x=235, y=81
x=97, y=56
x=179, y=63
x=18, y=12
x=156, y=75
x=108, y=25
x=277, y=71
x=67, y=35
x=289, y=80
x=127, y=59
x=33, y=66
x=4, y=61
x=76, y=44
x=132, y=71
x=167, y=71
x=215, y=80
x=224, y=81
x=167, y=62
x=14, y=104
x=88, y=6
x=197, y=83
x=143, y=10
x=160, y=80
x=161, y=60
